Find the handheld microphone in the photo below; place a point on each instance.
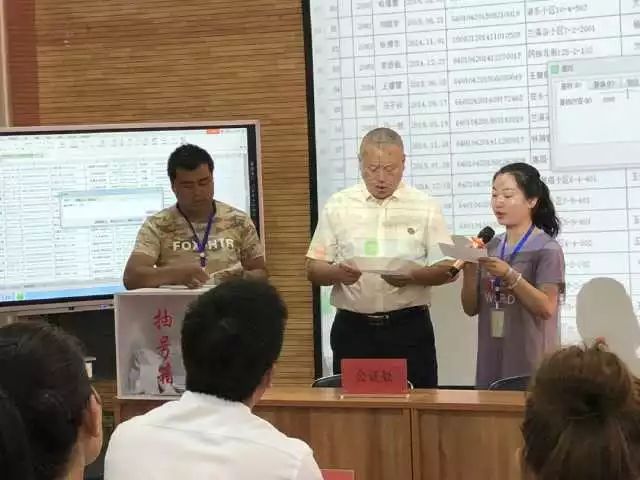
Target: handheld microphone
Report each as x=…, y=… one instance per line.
x=485, y=235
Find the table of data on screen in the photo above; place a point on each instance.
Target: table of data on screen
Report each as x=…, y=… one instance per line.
x=466, y=84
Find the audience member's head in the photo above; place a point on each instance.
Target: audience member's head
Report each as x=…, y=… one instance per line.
x=231, y=338
x=582, y=418
x=43, y=375
x=15, y=463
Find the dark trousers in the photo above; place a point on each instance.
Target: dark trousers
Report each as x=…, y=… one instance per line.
x=406, y=333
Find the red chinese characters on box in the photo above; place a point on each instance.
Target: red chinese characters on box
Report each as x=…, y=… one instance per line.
x=165, y=375
x=374, y=376
x=163, y=320
x=164, y=349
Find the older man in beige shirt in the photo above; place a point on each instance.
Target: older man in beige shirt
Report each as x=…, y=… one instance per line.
x=381, y=316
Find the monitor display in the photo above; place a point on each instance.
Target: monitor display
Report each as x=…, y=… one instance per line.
x=73, y=198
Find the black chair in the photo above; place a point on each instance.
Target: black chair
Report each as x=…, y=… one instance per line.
x=519, y=383
x=330, y=381
x=335, y=381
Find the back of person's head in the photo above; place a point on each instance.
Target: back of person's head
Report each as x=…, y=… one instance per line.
x=582, y=418
x=43, y=374
x=188, y=157
x=231, y=337
x=15, y=461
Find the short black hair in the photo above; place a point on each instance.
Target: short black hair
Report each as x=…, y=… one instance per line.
x=188, y=157
x=231, y=336
x=44, y=374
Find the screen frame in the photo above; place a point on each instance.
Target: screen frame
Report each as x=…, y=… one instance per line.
x=98, y=302
x=313, y=178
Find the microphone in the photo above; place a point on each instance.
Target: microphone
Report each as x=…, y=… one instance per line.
x=485, y=235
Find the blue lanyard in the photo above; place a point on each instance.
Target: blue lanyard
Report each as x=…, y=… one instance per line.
x=516, y=250
x=519, y=245
x=202, y=246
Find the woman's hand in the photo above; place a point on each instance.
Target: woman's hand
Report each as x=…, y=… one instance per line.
x=495, y=266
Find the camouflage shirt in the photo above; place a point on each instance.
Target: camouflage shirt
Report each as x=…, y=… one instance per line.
x=167, y=237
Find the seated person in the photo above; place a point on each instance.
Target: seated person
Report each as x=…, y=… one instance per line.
x=231, y=338
x=15, y=463
x=43, y=376
x=582, y=418
x=197, y=238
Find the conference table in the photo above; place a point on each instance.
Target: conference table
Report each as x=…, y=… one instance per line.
x=425, y=435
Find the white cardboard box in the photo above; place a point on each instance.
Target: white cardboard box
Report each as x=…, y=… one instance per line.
x=148, y=354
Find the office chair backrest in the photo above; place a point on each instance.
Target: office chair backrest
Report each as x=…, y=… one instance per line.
x=518, y=383
x=335, y=381
x=330, y=381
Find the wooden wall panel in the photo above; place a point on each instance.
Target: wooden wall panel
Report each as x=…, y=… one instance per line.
x=97, y=61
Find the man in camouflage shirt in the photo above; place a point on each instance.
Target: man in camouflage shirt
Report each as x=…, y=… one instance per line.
x=198, y=238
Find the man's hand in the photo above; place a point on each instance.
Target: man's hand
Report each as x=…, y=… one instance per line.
x=235, y=271
x=436, y=274
x=192, y=276
x=347, y=275
x=443, y=275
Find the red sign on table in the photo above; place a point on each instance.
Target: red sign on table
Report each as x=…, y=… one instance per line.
x=374, y=376
x=338, y=474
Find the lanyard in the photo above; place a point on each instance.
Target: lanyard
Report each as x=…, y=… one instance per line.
x=519, y=245
x=202, y=246
x=516, y=250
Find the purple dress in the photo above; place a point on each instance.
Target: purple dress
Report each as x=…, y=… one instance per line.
x=526, y=338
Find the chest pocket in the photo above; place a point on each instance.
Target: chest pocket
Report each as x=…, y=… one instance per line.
x=406, y=234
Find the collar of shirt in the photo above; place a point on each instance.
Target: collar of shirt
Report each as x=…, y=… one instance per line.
x=398, y=194
x=200, y=399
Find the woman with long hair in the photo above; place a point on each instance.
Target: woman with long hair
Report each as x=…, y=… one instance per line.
x=516, y=290
x=48, y=401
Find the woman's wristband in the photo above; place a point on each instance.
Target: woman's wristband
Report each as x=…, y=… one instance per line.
x=513, y=278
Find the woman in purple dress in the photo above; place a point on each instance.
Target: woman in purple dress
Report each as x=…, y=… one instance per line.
x=516, y=290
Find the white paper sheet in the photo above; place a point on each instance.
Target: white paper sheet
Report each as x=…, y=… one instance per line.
x=462, y=252
x=461, y=240
x=204, y=287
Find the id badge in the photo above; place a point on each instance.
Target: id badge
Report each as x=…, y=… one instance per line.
x=497, y=323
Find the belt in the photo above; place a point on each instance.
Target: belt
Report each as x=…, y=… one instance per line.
x=384, y=318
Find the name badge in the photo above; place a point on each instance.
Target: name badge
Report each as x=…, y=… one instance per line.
x=497, y=323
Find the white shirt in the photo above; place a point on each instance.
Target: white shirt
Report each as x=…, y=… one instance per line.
x=203, y=437
x=407, y=225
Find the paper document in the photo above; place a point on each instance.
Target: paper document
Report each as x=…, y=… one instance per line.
x=461, y=240
x=463, y=252
x=383, y=265
x=206, y=286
